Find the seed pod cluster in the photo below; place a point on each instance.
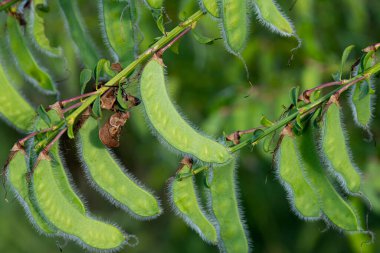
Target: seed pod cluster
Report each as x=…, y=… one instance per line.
x=304, y=166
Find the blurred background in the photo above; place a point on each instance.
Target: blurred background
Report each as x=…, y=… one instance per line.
x=211, y=88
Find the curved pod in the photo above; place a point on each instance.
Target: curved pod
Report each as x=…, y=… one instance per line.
x=17, y=171
x=224, y=204
x=291, y=174
x=13, y=106
x=234, y=14
x=270, y=15
x=58, y=210
x=25, y=60
x=336, y=209
x=37, y=28
x=169, y=124
x=211, y=6
x=119, y=18
x=336, y=150
x=109, y=179
x=185, y=203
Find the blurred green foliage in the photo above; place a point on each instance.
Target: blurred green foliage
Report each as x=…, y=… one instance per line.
x=211, y=88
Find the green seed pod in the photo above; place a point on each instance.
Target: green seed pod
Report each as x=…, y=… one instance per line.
x=168, y=123
x=86, y=47
x=154, y=4
x=270, y=15
x=337, y=152
x=211, y=6
x=25, y=60
x=119, y=19
x=291, y=174
x=60, y=212
x=107, y=176
x=334, y=207
x=13, y=106
x=224, y=204
x=17, y=172
x=185, y=203
x=37, y=28
x=362, y=97
x=234, y=15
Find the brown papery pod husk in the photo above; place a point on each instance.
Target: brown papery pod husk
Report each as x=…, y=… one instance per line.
x=107, y=101
x=109, y=134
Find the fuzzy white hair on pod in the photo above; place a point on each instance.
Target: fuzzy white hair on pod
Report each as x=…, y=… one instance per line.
x=76, y=239
x=236, y=192
x=102, y=25
x=29, y=78
x=272, y=27
x=372, y=104
x=30, y=28
x=105, y=193
x=328, y=164
x=183, y=216
x=70, y=179
x=162, y=140
x=90, y=248
x=224, y=34
x=288, y=188
x=81, y=27
x=28, y=213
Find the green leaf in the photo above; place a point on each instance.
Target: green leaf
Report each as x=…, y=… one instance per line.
x=346, y=54
x=158, y=16
x=203, y=39
x=294, y=94
x=364, y=90
x=96, y=109
x=265, y=122
x=120, y=99
x=108, y=70
x=85, y=77
x=70, y=128
x=98, y=70
x=42, y=113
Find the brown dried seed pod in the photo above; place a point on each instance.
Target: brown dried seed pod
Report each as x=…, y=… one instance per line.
x=109, y=134
x=108, y=100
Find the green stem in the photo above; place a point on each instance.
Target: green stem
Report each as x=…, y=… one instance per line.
x=305, y=109
x=144, y=56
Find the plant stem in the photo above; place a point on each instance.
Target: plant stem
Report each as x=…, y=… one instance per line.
x=129, y=69
x=305, y=109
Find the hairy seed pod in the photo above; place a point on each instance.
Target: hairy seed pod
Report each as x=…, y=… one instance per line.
x=154, y=4
x=211, y=7
x=59, y=211
x=13, y=106
x=337, y=152
x=186, y=205
x=25, y=60
x=270, y=15
x=61, y=176
x=37, y=28
x=169, y=124
x=109, y=178
x=120, y=28
x=362, y=97
x=224, y=204
x=86, y=47
x=234, y=23
x=17, y=175
x=334, y=207
x=291, y=174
